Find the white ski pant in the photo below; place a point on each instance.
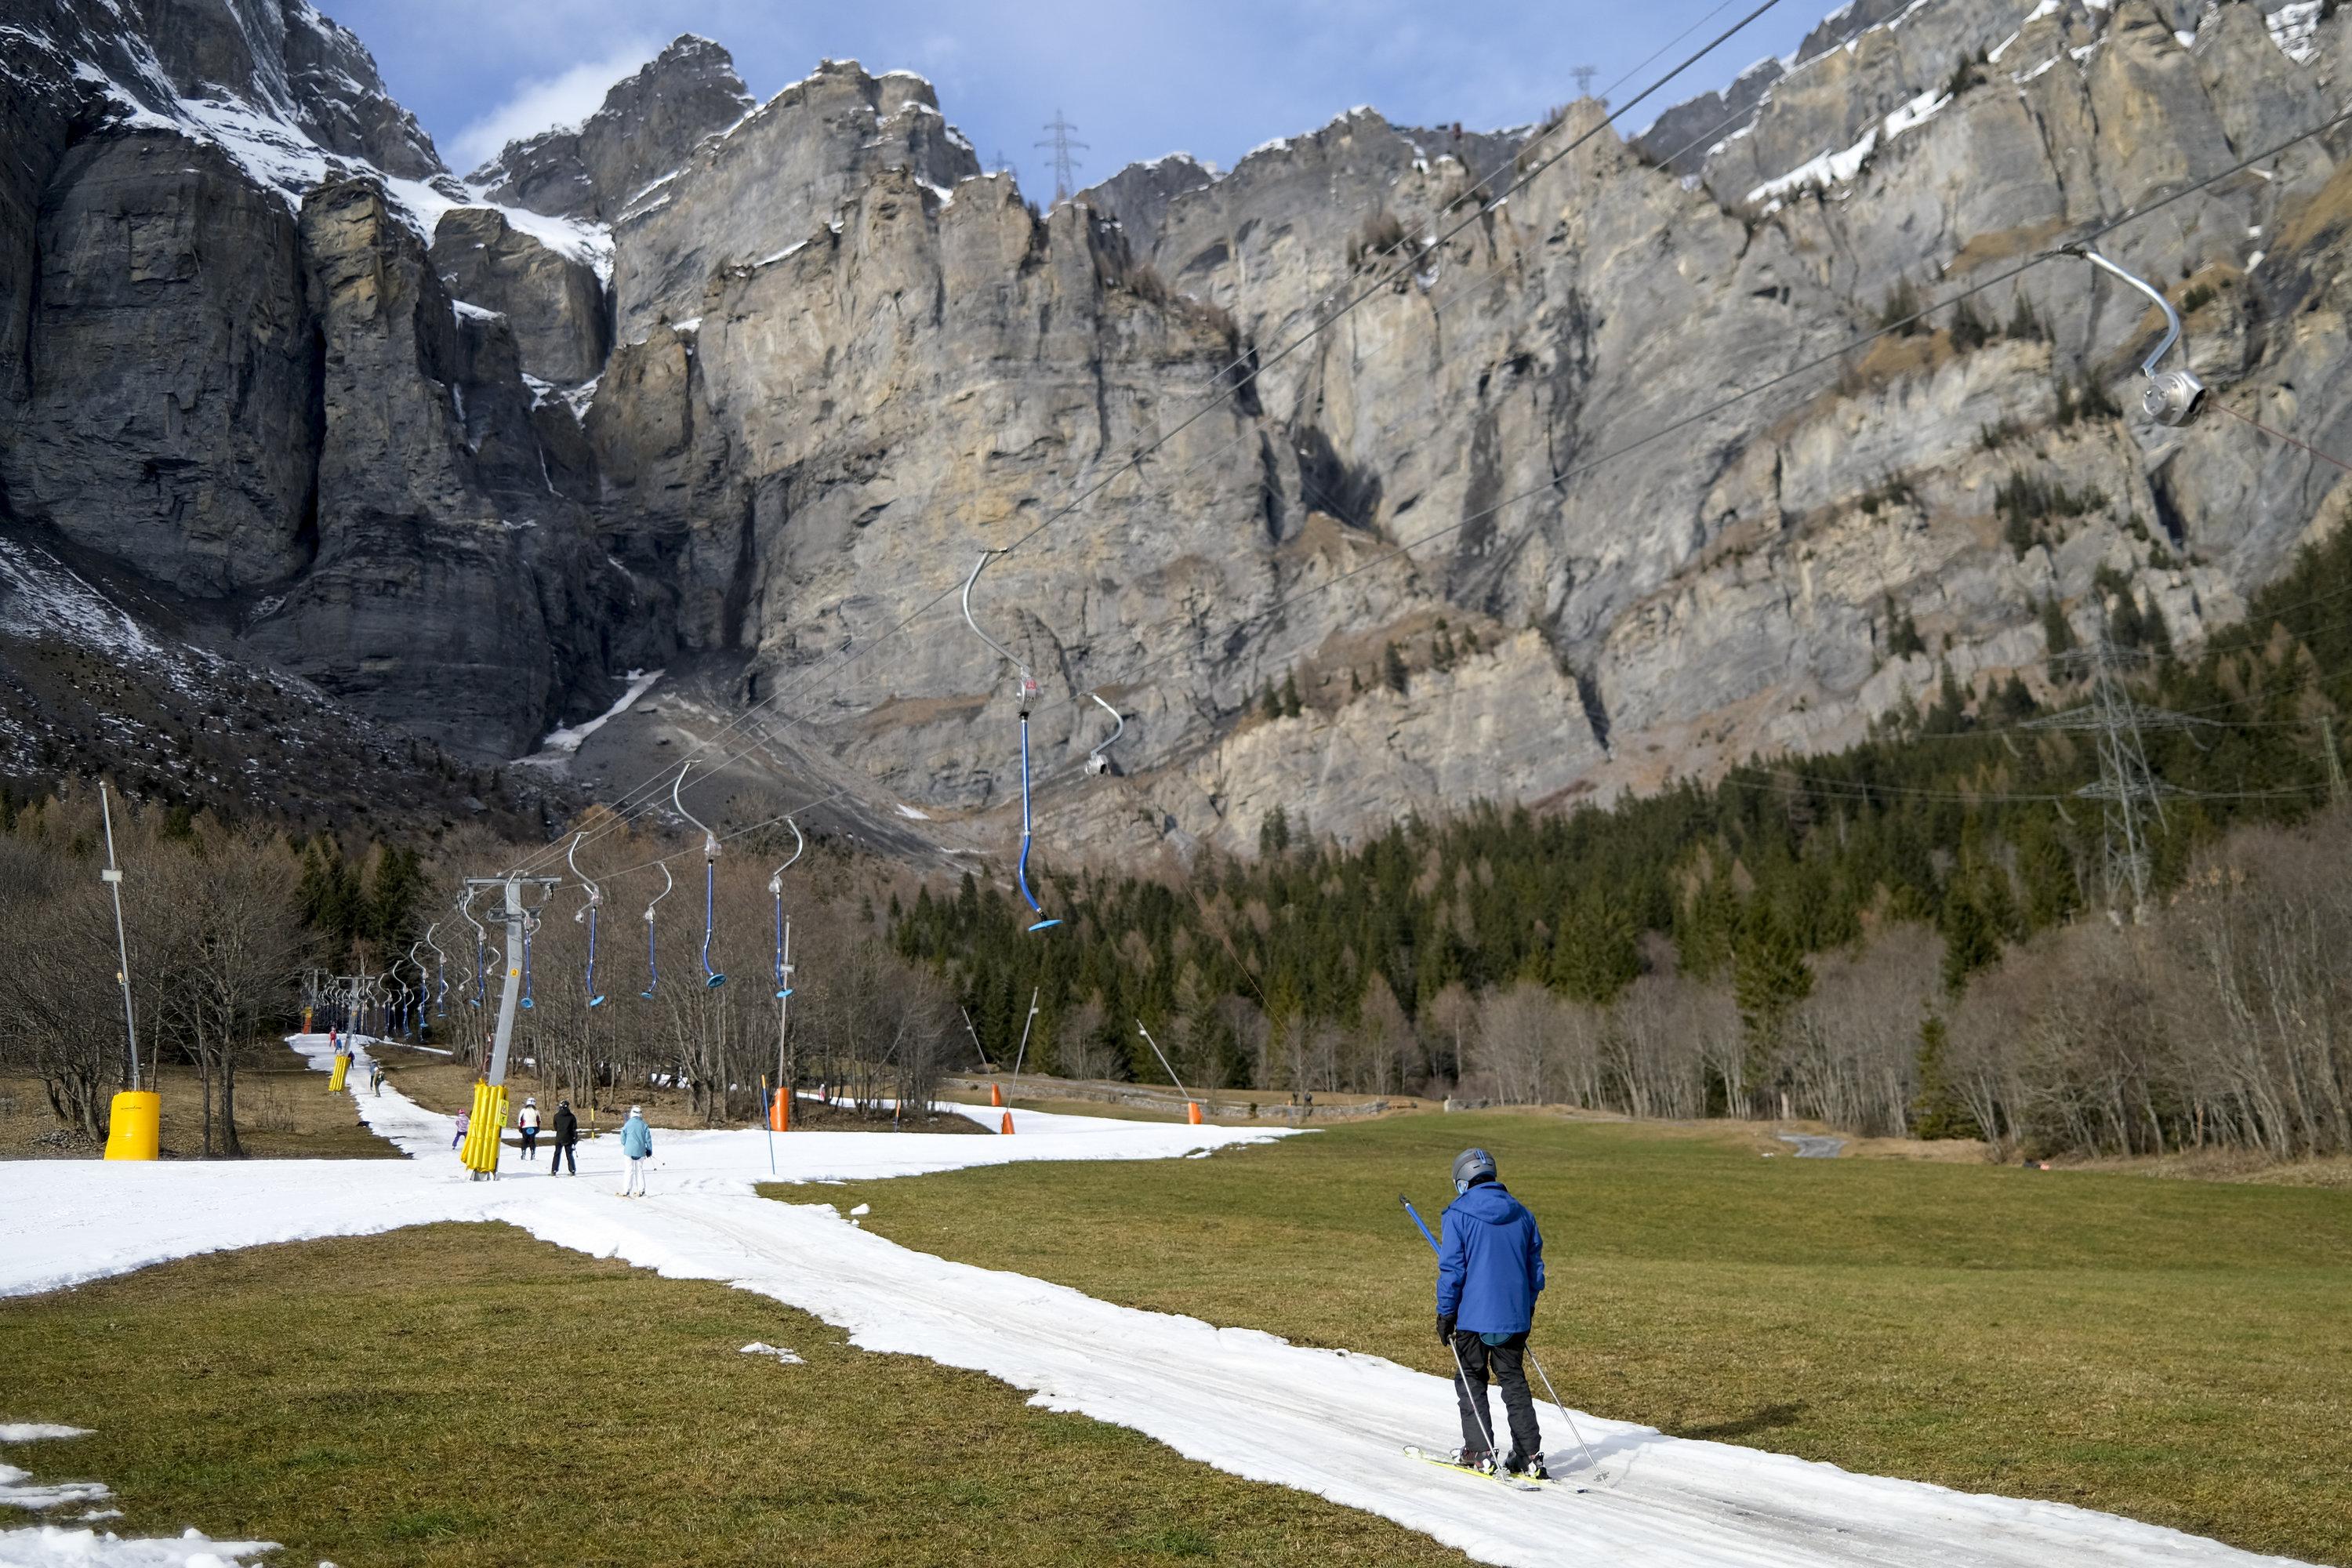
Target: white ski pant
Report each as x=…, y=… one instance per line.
x=636, y=1188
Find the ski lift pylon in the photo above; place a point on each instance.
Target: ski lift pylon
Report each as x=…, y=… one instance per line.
x=711, y=977
x=587, y=911
x=1026, y=691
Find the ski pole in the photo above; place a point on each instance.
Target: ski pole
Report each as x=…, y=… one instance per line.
x=1590, y=1461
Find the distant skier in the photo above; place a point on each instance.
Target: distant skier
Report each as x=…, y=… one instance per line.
x=638, y=1143
x=375, y=1078
x=527, y=1119
x=462, y=1117
x=1489, y=1272
x=567, y=1134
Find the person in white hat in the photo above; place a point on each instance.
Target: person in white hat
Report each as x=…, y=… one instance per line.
x=638, y=1143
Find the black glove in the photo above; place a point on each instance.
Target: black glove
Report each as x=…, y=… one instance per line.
x=1446, y=1328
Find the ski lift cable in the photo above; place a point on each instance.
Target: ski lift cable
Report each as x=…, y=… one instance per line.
x=1863, y=340
x=1721, y=405
x=636, y=802
x=2283, y=436
x=623, y=814
x=1222, y=381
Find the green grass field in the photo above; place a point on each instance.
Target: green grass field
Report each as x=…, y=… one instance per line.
x=464, y=1394
x=2179, y=1352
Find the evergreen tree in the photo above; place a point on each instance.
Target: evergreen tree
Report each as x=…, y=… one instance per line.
x=1939, y=1110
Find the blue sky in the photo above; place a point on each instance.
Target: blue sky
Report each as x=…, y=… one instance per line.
x=1213, y=78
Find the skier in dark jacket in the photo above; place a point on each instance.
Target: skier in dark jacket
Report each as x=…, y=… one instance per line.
x=1489, y=1272
x=567, y=1133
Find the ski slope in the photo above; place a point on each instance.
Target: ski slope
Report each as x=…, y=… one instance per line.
x=1322, y=1421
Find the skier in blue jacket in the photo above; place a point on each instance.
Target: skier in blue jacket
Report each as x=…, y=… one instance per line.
x=1489, y=1272
x=638, y=1143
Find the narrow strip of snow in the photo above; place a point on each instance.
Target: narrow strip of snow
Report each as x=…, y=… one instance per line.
x=49, y=1546
x=38, y=1432
x=18, y=1489
x=1327, y=1421
x=641, y=681
x=1828, y=169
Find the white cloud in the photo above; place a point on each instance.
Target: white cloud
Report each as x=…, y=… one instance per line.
x=538, y=105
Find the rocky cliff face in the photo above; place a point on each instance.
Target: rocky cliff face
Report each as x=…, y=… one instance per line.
x=233, y=371
x=643, y=130
x=1429, y=553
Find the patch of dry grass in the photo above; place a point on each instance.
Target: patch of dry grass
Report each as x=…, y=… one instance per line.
x=460, y=1395
x=284, y=1112
x=2173, y=1350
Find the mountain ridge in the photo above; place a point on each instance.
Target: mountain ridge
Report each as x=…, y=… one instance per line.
x=802, y=414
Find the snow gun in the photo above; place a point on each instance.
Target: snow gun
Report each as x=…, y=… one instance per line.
x=1422, y=1226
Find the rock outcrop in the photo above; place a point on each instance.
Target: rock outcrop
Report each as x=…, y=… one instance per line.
x=743, y=198
x=643, y=130
x=553, y=301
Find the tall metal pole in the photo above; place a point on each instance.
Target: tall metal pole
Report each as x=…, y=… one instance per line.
x=1022, y=1055
x=508, y=994
x=784, y=1013
x=112, y=878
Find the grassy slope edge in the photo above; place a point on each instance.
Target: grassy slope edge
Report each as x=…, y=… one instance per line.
x=2172, y=1351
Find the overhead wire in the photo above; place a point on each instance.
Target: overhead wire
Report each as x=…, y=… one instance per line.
x=1404, y=550
x=1465, y=288
x=1256, y=366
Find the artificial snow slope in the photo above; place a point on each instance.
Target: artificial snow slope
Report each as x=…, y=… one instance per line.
x=1321, y=1421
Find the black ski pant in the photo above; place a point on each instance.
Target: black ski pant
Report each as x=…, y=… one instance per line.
x=531, y=1143
x=1508, y=1361
x=561, y=1156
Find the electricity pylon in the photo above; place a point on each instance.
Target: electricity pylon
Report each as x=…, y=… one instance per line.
x=2127, y=788
x=1065, y=168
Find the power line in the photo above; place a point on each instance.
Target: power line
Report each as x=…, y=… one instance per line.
x=1223, y=384
x=1651, y=438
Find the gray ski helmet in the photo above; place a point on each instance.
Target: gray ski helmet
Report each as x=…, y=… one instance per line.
x=1469, y=1165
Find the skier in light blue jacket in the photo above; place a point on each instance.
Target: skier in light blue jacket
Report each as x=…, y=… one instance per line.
x=638, y=1143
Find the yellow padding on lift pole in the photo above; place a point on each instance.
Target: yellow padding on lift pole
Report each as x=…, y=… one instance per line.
x=343, y=1065
x=134, y=1129
x=484, y=1128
